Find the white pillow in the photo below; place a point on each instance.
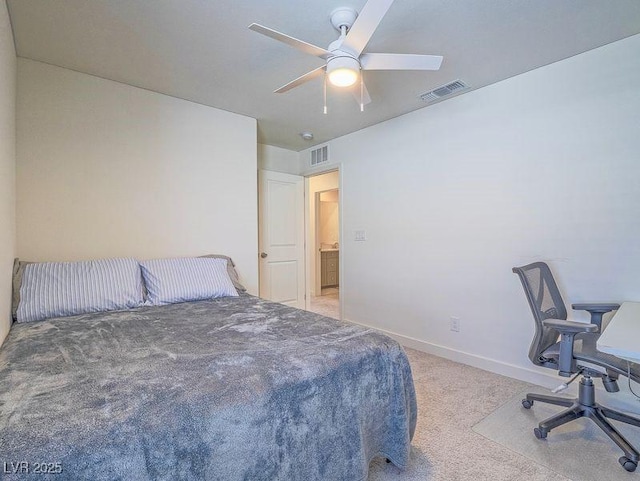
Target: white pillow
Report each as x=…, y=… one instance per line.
x=56, y=289
x=186, y=279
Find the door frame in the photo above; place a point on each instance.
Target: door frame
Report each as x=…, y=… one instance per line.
x=310, y=241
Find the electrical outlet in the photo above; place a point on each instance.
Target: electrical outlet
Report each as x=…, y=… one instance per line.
x=455, y=324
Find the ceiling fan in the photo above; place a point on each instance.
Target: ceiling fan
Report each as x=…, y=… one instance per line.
x=344, y=58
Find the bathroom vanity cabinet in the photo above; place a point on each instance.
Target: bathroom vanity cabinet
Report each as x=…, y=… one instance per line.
x=329, y=267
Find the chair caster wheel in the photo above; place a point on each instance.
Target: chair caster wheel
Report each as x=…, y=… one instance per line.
x=540, y=434
x=527, y=404
x=628, y=464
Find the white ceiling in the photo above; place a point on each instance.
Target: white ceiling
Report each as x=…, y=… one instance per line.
x=202, y=50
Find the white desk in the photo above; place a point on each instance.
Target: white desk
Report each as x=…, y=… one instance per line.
x=622, y=336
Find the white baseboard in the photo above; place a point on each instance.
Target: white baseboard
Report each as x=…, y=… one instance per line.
x=623, y=400
x=492, y=365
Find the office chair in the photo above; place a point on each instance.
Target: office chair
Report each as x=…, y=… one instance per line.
x=570, y=348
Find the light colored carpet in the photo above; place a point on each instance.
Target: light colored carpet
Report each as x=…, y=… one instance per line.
x=579, y=449
x=328, y=304
x=452, y=399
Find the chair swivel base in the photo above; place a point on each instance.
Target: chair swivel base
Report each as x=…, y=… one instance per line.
x=585, y=406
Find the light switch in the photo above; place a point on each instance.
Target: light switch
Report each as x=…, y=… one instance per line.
x=361, y=235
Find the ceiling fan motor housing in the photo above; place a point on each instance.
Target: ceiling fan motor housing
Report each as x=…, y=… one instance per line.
x=342, y=60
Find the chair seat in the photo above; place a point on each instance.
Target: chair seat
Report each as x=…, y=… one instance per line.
x=584, y=349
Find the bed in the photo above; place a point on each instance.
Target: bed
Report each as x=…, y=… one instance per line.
x=231, y=388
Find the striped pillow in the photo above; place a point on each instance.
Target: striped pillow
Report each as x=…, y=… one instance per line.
x=186, y=279
x=56, y=289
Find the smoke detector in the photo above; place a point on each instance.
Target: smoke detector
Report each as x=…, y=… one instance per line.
x=306, y=135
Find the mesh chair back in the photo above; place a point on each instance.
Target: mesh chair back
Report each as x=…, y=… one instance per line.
x=546, y=303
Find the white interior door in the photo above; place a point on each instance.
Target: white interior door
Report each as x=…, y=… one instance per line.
x=281, y=237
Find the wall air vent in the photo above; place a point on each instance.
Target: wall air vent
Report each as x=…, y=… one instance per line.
x=319, y=155
x=444, y=91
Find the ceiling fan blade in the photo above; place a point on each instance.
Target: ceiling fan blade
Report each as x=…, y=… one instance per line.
x=318, y=72
x=399, y=61
x=292, y=42
x=364, y=26
x=365, y=98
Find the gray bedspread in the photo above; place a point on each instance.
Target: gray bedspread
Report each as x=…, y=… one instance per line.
x=229, y=389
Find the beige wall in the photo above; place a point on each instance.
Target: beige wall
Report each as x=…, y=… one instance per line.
x=106, y=169
x=542, y=166
x=7, y=167
x=329, y=222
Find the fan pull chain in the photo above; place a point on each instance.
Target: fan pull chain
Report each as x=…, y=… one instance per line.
x=361, y=90
x=324, y=92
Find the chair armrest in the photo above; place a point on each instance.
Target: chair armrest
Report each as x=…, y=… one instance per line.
x=596, y=310
x=570, y=326
x=568, y=331
x=596, y=307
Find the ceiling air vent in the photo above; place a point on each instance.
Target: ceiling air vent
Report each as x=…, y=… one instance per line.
x=444, y=91
x=319, y=155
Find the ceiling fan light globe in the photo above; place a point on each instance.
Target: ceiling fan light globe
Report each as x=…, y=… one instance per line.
x=343, y=77
x=343, y=70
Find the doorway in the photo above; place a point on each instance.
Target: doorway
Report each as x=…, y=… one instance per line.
x=323, y=243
